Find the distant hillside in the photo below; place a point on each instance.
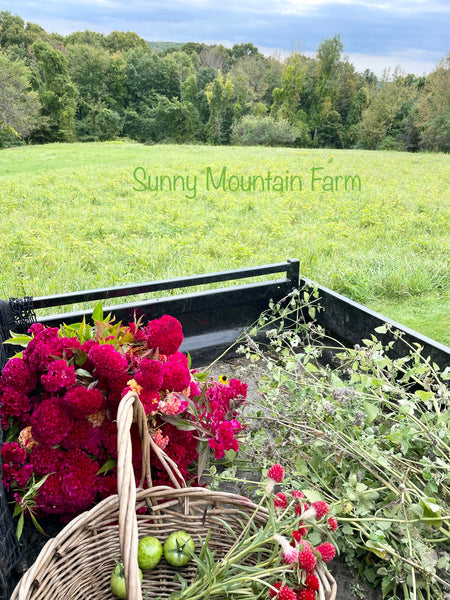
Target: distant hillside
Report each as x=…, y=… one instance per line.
x=160, y=46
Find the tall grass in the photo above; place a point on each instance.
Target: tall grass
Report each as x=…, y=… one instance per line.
x=71, y=220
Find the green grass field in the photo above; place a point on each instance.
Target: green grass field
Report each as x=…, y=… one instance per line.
x=71, y=220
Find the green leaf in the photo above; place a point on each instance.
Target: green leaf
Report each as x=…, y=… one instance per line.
x=18, y=339
x=107, y=465
x=376, y=548
x=372, y=411
x=381, y=329
x=19, y=528
x=97, y=314
x=312, y=495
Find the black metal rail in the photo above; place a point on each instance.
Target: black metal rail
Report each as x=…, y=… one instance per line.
x=212, y=319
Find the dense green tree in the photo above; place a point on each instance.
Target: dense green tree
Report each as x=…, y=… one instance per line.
x=123, y=41
x=433, y=108
x=57, y=94
x=19, y=105
x=147, y=73
x=217, y=56
x=93, y=38
x=88, y=67
x=107, y=124
x=384, y=110
x=287, y=97
x=219, y=94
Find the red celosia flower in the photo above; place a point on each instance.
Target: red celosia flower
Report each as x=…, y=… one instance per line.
x=327, y=551
x=149, y=374
x=312, y=582
x=45, y=459
x=306, y=559
x=332, y=524
x=59, y=376
x=50, y=423
x=176, y=377
x=280, y=500
x=306, y=594
x=18, y=375
x=150, y=401
x=82, y=401
x=14, y=404
x=286, y=593
x=165, y=334
x=108, y=363
x=276, y=473
x=238, y=387
x=78, y=435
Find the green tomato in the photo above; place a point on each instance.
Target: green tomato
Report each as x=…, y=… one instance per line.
x=150, y=551
x=178, y=548
x=118, y=581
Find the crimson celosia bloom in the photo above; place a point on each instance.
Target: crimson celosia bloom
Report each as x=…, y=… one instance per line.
x=149, y=374
x=14, y=404
x=82, y=401
x=176, y=376
x=59, y=376
x=18, y=375
x=68, y=427
x=50, y=423
x=108, y=362
x=164, y=334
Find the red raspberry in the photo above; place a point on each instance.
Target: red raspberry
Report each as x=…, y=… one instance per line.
x=277, y=585
x=312, y=582
x=280, y=500
x=327, y=551
x=276, y=473
x=286, y=593
x=297, y=494
x=321, y=508
x=306, y=594
x=332, y=524
x=306, y=559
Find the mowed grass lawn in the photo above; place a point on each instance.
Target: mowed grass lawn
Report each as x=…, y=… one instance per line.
x=71, y=220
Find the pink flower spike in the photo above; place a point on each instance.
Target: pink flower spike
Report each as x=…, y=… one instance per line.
x=280, y=501
x=276, y=473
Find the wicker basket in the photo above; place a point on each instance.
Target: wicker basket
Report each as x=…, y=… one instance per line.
x=77, y=563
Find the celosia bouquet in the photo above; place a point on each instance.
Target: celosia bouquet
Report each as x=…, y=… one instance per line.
x=59, y=400
x=280, y=560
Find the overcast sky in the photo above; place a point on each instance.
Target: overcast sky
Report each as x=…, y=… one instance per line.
x=377, y=34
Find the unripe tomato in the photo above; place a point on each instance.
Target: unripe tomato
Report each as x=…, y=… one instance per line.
x=178, y=548
x=118, y=581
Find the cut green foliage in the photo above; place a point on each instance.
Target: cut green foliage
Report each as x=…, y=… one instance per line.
x=373, y=435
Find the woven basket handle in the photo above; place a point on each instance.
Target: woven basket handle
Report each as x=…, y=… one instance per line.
x=131, y=408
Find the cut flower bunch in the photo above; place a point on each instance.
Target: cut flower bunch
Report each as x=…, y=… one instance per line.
x=59, y=400
x=278, y=560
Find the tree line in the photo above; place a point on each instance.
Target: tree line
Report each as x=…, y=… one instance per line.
x=89, y=86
